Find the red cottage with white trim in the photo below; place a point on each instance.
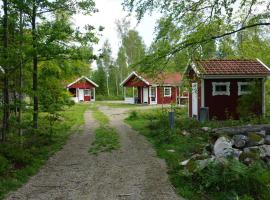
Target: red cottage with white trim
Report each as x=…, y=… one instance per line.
x=218, y=85
x=83, y=89
x=161, y=89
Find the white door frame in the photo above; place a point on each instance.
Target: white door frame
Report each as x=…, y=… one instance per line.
x=81, y=95
x=150, y=90
x=145, y=95
x=194, y=100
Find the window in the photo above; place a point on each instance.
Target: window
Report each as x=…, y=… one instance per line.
x=221, y=88
x=243, y=88
x=153, y=92
x=86, y=92
x=167, y=91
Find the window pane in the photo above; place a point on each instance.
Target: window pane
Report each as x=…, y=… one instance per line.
x=167, y=91
x=221, y=88
x=86, y=92
x=153, y=92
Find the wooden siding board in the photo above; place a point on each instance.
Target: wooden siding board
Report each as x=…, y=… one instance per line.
x=222, y=107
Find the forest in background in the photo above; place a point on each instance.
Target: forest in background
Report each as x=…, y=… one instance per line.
x=133, y=54
x=42, y=51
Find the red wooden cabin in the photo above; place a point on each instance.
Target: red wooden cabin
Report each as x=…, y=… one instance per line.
x=82, y=89
x=218, y=85
x=161, y=89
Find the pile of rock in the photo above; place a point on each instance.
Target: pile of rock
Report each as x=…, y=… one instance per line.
x=245, y=143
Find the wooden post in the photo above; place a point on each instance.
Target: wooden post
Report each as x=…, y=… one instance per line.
x=94, y=97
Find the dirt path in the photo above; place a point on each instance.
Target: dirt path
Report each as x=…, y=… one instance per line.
x=131, y=173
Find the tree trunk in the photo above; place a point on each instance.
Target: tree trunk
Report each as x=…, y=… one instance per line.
x=6, y=81
x=20, y=74
x=35, y=65
x=108, y=90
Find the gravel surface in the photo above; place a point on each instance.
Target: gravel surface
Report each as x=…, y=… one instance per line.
x=132, y=173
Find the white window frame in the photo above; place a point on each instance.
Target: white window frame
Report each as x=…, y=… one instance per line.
x=240, y=92
x=170, y=89
x=89, y=92
x=217, y=93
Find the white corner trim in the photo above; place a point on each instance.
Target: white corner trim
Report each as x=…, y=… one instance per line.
x=165, y=88
x=216, y=93
x=263, y=97
x=193, y=66
x=240, y=92
x=130, y=75
x=202, y=93
x=263, y=64
x=83, y=77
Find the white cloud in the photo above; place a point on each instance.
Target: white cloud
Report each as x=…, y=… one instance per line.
x=109, y=12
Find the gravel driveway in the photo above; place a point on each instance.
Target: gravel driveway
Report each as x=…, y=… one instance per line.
x=132, y=173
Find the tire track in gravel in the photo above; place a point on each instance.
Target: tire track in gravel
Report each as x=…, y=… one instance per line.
x=133, y=172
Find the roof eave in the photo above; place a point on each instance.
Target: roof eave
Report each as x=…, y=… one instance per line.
x=130, y=75
x=226, y=76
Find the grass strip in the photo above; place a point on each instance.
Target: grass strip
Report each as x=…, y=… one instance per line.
x=106, y=140
x=100, y=116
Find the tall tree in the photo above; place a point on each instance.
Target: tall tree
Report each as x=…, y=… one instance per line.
x=37, y=10
x=202, y=21
x=5, y=71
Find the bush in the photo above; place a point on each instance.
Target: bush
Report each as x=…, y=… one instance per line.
x=4, y=164
x=133, y=115
x=109, y=98
x=233, y=179
x=16, y=155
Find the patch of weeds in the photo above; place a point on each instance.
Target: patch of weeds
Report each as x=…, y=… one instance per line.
x=100, y=116
x=106, y=140
x=221, y=182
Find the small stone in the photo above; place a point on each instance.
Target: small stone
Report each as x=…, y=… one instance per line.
x=254, y=139
x=185, y=162
x=185, y=133
x=171, y=150
x=206, y=129
x=262, y=133
x=261, y=151
x=223, y=147
x=240, y=141
x=267, y=139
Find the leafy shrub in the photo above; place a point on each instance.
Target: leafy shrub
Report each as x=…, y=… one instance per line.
x=16, y=155
x=109, y=98
x=4, y=164
x=233, y=178
x=133, y=115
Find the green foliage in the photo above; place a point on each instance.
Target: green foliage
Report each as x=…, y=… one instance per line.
x=21, y=158
x=249, y=103
x=108, y=98
x=4, y=164
x=106, y=139
x=233, y=179
x=227, y=181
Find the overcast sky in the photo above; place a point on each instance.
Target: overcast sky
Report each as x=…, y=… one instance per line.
x=109, y=12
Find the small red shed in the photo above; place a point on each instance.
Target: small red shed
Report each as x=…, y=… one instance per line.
x=161, y=89
x=82, y=89
x=218, y=85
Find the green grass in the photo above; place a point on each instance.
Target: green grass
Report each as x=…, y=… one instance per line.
x=99, y=116
x=22, y=160
x=106, y=140
x=117, y=105
x=106, y=137
x=215, y=182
